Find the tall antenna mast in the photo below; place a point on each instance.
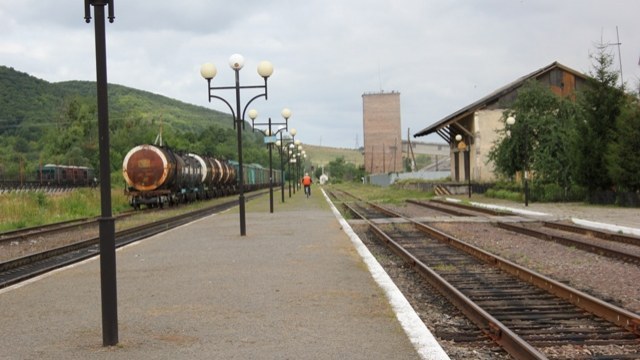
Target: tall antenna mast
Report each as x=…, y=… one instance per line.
x=158, y=140
x=618, y=43
x=379, y=77
x=619, y=57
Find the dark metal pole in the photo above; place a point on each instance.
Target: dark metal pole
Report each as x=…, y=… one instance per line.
x=526, y=164
x=298, y=171
x=282, y=178
x=294, y=172
x=289, y=173
x=526, y=189
x=468, y=156
x=270, y=173
x=106, y=222
x=239, y=124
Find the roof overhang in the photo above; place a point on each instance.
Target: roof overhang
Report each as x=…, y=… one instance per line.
x=448, y=126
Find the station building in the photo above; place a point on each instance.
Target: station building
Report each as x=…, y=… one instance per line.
x=478, y=122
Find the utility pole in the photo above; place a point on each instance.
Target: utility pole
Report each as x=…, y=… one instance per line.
x=106, y=221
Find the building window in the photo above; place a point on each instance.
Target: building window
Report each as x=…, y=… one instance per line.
x=556, y=78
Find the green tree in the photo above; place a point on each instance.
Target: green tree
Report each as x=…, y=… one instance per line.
x=622, y=158
x=600, y=104
x=339, y=170
x=73, y=141
x=537, y=141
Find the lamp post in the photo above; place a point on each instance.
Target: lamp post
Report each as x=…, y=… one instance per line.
x=270, y=139
x=209, y=71
x=462, y=146
x=511, y=120
x=293, y=134
x=299, y=165
x=283, y=150
x=108, y=284
x=292, y=160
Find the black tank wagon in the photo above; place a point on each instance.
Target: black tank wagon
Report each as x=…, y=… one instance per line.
x=157, y=176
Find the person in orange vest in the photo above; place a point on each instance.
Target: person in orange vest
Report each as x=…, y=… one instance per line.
x=306, y=182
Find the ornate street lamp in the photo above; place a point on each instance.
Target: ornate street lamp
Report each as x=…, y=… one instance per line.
x=106, y=222
x=285, y=155
x=236, y=62
x=282, y=177
x=270, y=139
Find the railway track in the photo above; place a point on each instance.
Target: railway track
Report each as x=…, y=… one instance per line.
x=617, y=246
x=457, y=209
x=529, y=315
x=613, y=249
x=25, y=234
x=23, y=268
x=21, y=234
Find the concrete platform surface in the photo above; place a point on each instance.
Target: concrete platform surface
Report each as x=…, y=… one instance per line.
x=294, y=287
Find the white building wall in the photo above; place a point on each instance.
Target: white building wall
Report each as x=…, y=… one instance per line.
x=486, y=122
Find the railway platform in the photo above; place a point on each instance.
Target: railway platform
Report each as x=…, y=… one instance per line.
x=299, y=285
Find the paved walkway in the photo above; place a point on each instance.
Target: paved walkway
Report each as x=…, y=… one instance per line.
x=295, y=287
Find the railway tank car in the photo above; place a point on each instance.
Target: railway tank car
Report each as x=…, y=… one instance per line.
x=216, y=177
x=157, y=176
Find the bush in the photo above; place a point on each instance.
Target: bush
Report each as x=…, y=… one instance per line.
x=537, y=192
x=504, y=194
x=627, y=199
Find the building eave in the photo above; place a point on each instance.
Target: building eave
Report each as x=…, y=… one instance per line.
x=441, y=127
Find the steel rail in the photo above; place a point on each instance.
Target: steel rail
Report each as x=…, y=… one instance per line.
x=600, y=250
x=615, y=315
x=620, y=317
x=474, y=208
x=492, y=327
x=42, y=228
x=453, y=212
x=23, y=234
x=633, y=240
x=628, y=239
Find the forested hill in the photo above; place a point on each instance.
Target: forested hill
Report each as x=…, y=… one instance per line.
x=43, y=122
x=27, y=102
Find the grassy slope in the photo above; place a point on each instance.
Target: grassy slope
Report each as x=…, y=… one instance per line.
x=320, y=155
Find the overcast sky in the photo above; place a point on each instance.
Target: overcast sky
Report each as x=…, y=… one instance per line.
x=440, y=55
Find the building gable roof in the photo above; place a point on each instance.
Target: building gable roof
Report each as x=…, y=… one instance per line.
x=440, y=125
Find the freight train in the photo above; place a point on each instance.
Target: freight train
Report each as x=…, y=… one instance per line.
x=157, y=176
x=66, y=175
x=51, y=177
